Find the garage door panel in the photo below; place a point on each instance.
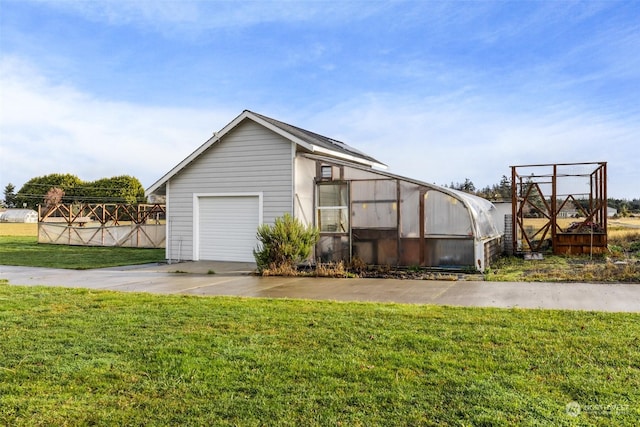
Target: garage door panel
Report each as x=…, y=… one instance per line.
x=227, y=227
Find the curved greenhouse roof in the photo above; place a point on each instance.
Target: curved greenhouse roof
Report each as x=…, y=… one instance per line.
x=397, y=220
x=479, y=210
x=481, y=213
x=19, y=215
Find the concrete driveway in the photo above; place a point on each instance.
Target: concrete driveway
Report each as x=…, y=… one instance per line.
x=234, y=279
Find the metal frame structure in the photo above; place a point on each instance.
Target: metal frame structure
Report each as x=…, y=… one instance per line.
x=104, y=213
x=105, y=224
x=541, y=191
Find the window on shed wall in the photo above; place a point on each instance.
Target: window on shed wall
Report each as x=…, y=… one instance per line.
x=333, y=209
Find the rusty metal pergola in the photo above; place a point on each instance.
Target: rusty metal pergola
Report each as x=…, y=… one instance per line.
x=544, y=193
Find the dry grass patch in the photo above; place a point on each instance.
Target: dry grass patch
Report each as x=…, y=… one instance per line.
x=18, y=229
x=554, y=268
x=331, y=269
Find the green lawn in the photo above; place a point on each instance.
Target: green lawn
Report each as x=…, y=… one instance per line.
x=82, y=357
x=25, y=251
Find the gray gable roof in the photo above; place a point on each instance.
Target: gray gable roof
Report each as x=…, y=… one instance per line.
x=319, y=140
x=309, y=141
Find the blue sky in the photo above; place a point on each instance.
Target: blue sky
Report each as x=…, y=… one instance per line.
x=439, y=91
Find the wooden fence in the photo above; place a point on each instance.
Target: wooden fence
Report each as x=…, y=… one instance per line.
x=137, y=226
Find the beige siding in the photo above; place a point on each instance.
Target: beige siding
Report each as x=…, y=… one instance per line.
x=248, y=159
x=304, y=190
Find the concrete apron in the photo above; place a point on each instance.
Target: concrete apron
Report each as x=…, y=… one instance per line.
x=235, y=279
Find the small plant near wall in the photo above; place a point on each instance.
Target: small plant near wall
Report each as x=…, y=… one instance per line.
x=284, y=244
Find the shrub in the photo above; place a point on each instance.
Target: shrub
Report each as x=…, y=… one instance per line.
x=284, y=244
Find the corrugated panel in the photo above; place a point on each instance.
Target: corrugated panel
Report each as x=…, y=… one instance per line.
x=374, y=204
x=409, y=210
x=446, y=216
x=449, y=253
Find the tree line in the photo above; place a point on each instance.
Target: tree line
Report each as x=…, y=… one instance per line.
x=67, y=188
x=502, y=192
x=496, y=192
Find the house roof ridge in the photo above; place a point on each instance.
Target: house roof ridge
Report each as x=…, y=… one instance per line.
x=312, y=141
x=317, y=139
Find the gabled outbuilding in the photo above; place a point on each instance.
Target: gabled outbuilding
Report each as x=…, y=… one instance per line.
x=257, y=168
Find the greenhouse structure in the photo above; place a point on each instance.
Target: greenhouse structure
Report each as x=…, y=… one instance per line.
x=385, y=219
x=256, y=169
x=19, y=215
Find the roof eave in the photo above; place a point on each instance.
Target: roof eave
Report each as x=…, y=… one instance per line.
x=215, y=138
x=343, y=156
x=166, y=177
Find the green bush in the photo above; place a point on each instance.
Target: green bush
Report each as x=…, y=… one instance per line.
x=284, y=244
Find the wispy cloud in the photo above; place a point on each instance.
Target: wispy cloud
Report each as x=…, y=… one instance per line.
x=193, y=16
x=440, y=91
x=57, y=129
x=448, y=138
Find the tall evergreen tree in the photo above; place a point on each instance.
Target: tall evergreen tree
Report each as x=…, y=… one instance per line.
x=10, y=196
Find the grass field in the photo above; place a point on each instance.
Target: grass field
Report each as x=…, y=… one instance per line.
x=18, y=246
x=25, y=251
x=617, y=227
x=623, y=228
x=555, y=268
x=619, y=265
x=17, y=229
x=81, y=357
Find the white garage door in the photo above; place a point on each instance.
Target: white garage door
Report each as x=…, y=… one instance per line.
x=227, y=227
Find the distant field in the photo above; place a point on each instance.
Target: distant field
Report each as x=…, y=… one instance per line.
x=565, y=222
x=16, y=229
x=539, y=222
x=628, y=222
x=623, y=227
x=617, y=227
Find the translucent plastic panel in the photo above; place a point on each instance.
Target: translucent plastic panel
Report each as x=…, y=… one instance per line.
x=449, y=252
x=446, y=215
x=374, y=215
x=409, y=210
x=333, y=248
x=376, y=246
x=374, y=204
x=379, y=190
x=352, y=173
x=481, y=210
